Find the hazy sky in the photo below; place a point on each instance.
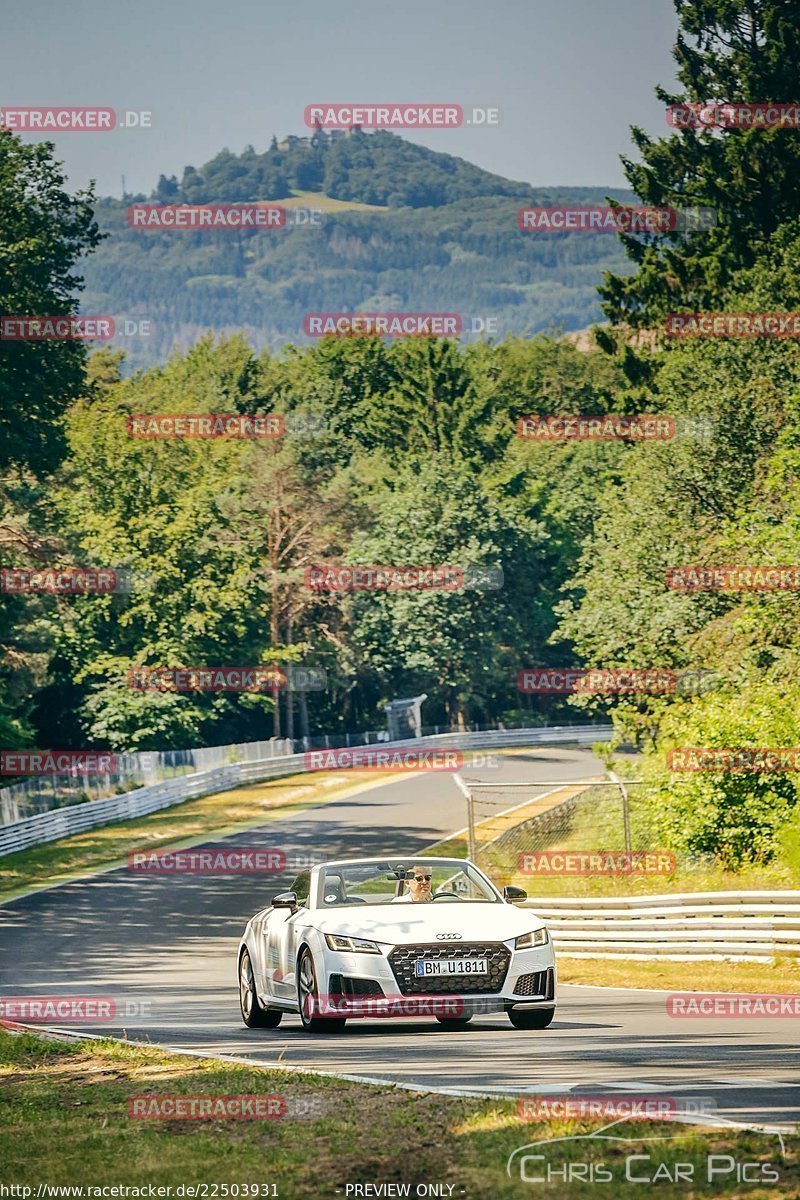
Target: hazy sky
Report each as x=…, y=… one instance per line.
x=569, y=76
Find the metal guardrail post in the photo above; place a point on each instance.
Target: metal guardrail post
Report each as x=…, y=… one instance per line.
x=470, y=817
x=626, y=815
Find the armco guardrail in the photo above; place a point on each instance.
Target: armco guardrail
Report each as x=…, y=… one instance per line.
x=737, y=926
x=143, y=768
x=61, y=822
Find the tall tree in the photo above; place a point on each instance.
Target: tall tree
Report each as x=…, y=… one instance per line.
x=43, y=234
x=745, y=51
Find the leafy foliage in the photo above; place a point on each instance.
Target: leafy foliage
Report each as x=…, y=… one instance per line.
x=742, y=51
x=735, y=817
x=44, y=233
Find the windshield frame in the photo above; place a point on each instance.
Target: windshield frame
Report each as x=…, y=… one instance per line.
x=390, y=861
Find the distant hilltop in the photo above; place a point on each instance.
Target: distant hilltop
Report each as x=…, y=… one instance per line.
x=407, y=229
x=322, y=137
x=370, y=166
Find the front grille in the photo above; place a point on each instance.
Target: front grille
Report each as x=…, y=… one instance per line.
x=402, y=960
x=538, y=983
x=354, y=985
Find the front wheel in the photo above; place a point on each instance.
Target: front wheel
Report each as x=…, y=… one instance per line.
x=308, y=998
x=253, y=1015
x=531, y=1018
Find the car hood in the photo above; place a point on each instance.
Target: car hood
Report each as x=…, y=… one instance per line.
x=404, y=924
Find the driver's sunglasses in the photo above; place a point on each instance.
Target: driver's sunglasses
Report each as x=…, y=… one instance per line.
x=419, y=878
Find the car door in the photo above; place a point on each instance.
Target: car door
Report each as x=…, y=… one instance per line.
x=267, y=943
x=285, y=928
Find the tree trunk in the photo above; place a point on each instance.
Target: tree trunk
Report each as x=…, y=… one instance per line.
x=274, y=634
x=303, y=705
x=289, y=688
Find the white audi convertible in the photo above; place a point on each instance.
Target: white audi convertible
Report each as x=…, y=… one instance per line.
x=396, y=938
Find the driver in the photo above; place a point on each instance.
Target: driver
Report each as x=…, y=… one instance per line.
x=419, y=887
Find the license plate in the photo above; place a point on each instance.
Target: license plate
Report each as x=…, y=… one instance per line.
x=451, y=966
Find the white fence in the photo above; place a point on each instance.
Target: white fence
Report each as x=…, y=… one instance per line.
x=61, y=822
x=144, y=768
x=735, y=926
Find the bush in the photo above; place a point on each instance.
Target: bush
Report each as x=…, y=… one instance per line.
x=738, y=817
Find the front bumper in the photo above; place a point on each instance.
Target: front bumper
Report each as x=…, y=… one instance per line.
x=383, y=985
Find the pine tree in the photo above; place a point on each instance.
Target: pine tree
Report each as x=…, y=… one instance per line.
x=745, y=51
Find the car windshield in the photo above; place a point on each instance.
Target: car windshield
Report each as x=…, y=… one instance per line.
x=389, y=881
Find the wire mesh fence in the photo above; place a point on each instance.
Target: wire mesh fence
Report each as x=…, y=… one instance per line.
x=43, y=793
x=553, y=838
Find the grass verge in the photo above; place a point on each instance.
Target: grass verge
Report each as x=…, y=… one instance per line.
x=782, y=975
x=64, y=1121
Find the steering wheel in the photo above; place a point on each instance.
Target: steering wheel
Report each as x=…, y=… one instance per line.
x=444, y=896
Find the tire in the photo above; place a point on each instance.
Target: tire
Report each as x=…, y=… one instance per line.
x=531, y=1018
x=253, y=1015
x=308, y=997
x=454, y=1022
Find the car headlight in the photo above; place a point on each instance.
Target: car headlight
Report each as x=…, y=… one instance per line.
x=336, y=941
x=527, y=941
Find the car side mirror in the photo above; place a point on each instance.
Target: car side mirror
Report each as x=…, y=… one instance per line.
x=286, y=900
x=512, y=894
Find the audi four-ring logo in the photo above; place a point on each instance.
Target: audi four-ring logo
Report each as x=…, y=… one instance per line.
x=448, y=937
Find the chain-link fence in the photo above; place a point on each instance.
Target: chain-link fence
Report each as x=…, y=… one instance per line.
x=551, y=838
x=42, y=793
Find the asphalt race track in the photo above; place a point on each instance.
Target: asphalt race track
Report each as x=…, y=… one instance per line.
x=166, y=944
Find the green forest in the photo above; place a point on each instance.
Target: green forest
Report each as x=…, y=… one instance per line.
x=406, y=452
x=400, y=227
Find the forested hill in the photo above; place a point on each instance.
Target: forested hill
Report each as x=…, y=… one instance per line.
x=440, y=234
x=371, y=168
